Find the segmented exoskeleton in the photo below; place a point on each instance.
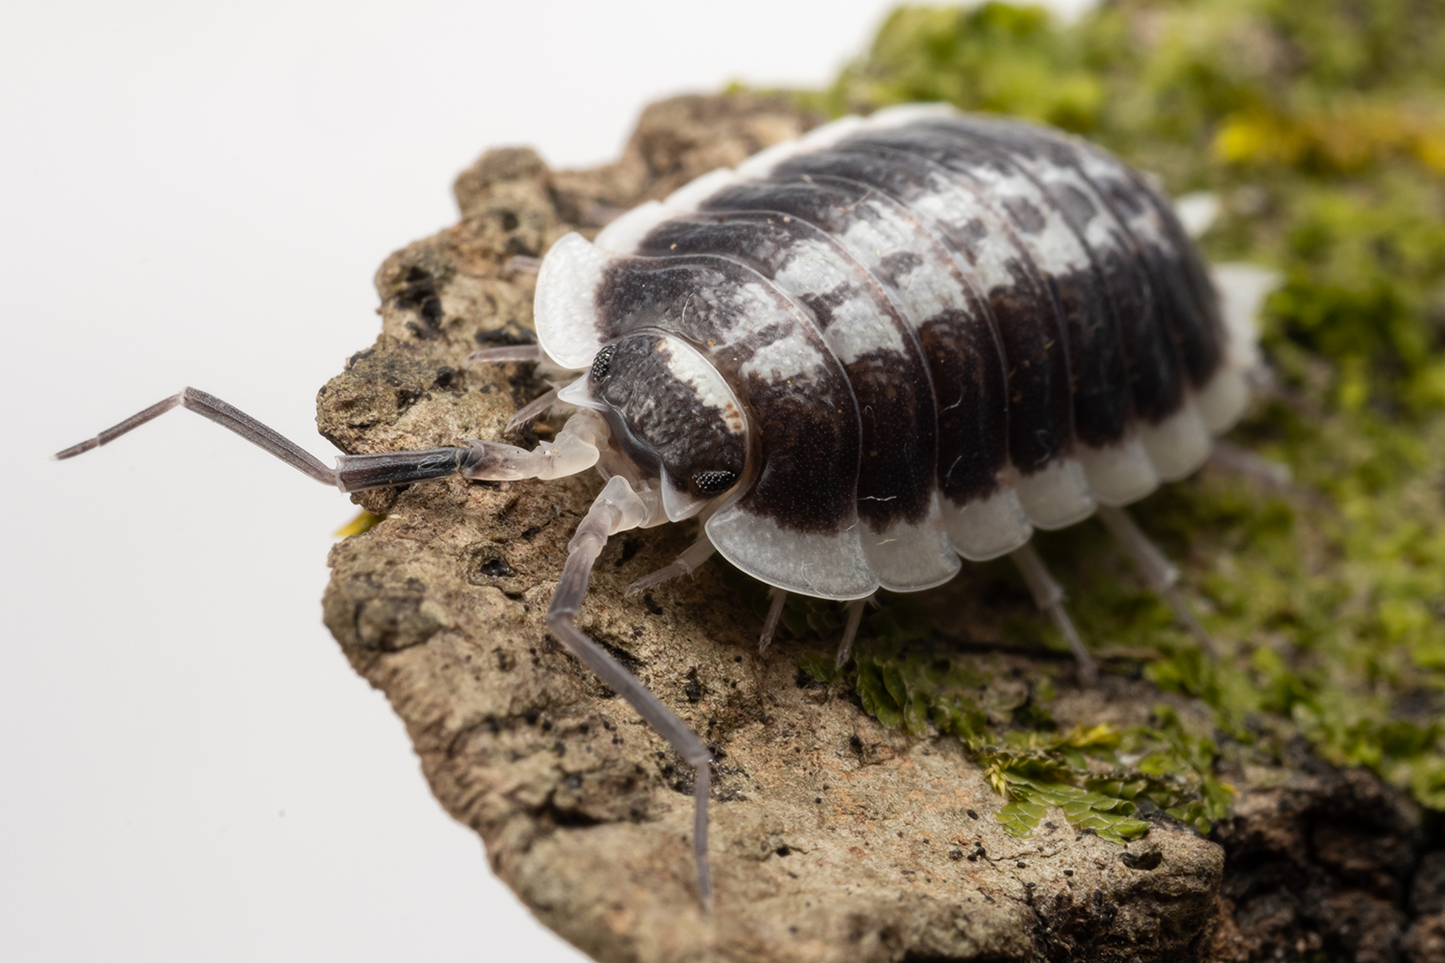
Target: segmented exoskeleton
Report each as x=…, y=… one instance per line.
x=857, y=359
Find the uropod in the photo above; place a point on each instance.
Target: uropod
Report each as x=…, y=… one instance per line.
x=858, y=359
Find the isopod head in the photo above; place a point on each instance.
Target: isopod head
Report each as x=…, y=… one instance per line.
x=672, y=418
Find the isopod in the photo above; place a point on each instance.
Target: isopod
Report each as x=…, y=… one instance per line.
x=857, y=359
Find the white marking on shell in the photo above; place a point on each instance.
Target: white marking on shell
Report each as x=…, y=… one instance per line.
x=830, y=566
x=912, y=557
x=791, y=358
x=690, y=196
x=947, y=203
x=1057, y=495
x=688, y=366
x=1178, y=444
x=901, y=115
x=858, y=327
x=566, y=314
x=1148, y=228
x=1145, y=223
x=623, y=235
x=761, y=164
x=1055, y=248
x=820, y=138
x=1119, y=474
x=989, y=527
x=1103, y=231
x=929, y=288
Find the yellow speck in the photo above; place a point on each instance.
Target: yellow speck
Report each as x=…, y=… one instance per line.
x=362, y=523
x=673, y=247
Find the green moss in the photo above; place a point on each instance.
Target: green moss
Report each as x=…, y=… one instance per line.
x=1321, y=127
x=1101, y=777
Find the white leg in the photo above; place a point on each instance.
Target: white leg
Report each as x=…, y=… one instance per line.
x=522, y=264
x=521, y=353
x=533, y=408
x=770, y=625
x=1242, y=461
x=618, y=508
x=1049, y=596
x=850, y=631
x=687, y=563
x=1159, y=573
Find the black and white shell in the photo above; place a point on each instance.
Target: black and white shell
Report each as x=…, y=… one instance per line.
x=942, y=332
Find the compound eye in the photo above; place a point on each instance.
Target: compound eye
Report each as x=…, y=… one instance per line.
x=602, y=364
x=712, y=482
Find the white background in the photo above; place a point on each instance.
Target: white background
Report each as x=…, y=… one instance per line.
x=199, y=194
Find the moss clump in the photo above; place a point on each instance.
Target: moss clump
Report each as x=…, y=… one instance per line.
x=1102, y=777
x=1321, y=128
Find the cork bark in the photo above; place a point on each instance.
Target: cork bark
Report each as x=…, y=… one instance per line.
x=833, y=837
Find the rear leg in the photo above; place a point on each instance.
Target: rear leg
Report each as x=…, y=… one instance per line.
x=1049, y=596
x=850, y=631
x=689, y=561
x=1159, y=573
x=770, y=624
x=1230, y=457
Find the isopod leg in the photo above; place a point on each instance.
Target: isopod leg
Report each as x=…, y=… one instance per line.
x=1049, y=596
x=533, y=408
x=1160, y=574
x=524, y=353
x=1242, y=461
x=616, y=509
x=770, y=624
x=696, y=553
x=522, y=264
x=850, y=631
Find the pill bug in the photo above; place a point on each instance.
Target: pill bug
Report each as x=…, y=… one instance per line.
x=858, y=358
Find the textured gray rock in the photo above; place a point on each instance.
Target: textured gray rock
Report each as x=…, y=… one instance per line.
x=833, y=838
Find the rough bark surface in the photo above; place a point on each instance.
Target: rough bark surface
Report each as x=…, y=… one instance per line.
x=833, y=838
x=1324, y=864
